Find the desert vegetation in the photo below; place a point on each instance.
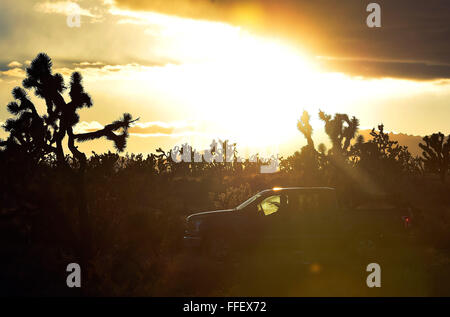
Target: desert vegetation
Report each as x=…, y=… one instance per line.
x=122, y=215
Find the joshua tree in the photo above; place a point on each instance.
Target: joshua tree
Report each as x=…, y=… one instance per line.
x=341, y=130
x=40, y=135
x=36, y=136
x=381, y=158
x=436, y=154
x=305, y=127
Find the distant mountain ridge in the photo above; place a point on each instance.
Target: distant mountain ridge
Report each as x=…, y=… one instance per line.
x=411, y=141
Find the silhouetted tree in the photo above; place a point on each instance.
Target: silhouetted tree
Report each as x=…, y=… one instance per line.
x=38, y=136
x=383, y=158
x=27, y=132
x=340, y=129
x=436, y=154
x=305, y=127
x=322, y=149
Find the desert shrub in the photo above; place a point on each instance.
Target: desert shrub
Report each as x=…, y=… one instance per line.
x=231, y=197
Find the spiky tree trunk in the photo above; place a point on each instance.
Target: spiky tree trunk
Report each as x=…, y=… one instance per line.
x=58, y=123
x=306, y=129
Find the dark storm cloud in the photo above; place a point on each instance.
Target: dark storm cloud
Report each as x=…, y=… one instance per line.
x=378, y=69
x=414, y=32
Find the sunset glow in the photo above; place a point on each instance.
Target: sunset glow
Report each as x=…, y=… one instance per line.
x=222, y=79
x=219, y=150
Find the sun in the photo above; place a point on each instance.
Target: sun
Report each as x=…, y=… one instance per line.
x=250, y=87
x=264, y=80
x=242, y=86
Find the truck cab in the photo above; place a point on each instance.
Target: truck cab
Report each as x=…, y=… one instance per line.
x=295, y=218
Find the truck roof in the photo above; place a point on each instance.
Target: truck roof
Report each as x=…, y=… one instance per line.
x=277, y=189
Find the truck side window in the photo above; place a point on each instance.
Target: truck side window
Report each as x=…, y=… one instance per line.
x=307, y=203
x=270, y=205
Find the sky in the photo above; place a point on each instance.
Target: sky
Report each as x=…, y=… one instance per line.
x=241, y=70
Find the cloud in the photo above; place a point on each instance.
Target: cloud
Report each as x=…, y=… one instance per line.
x=159, y=128
x=145, y=129
x=14, y=64
x=89, y=64
x=14, y=72
x=383, y=69
x=93, y=71
x=84, y=126
x=3, y=133
x=64, y=7
x=101, y=71
x=413, y=32
x=70, y=65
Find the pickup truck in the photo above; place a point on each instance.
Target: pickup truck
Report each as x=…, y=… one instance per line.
x=304, y=219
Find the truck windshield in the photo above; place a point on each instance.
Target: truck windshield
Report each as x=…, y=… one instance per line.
x=248, y=202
